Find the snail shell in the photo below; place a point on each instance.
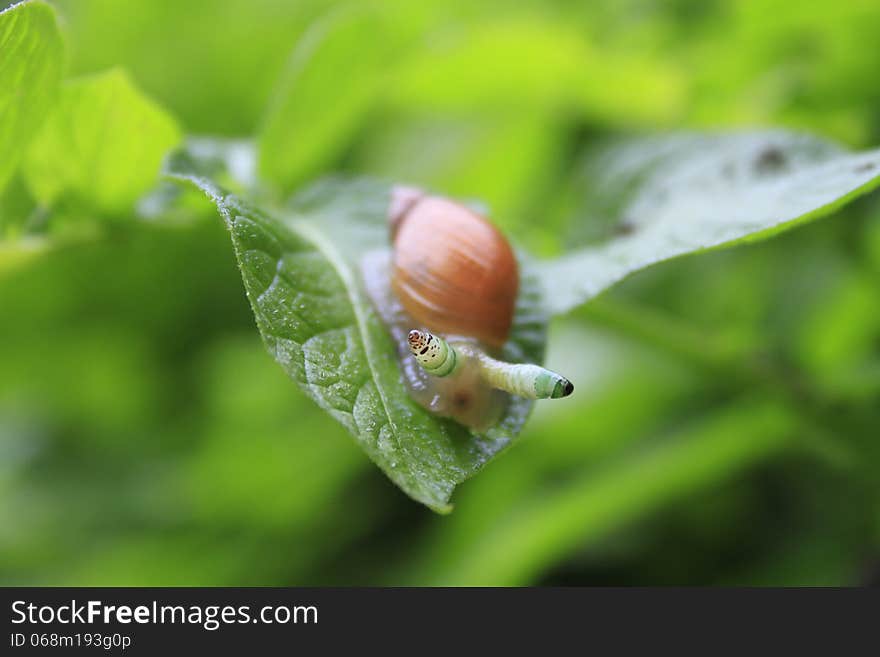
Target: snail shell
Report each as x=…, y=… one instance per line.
x=452, y=270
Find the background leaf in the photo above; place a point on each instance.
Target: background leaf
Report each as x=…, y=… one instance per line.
x=556, y=67
x=31, y=58
x=103, y=144
x=302, y=274
x=662, y=197
x=216, y=81
x=332, y=81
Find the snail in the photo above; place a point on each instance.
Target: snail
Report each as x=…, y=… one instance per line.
x=447, y=295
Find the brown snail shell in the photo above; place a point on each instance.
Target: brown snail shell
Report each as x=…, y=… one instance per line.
x=452, y=270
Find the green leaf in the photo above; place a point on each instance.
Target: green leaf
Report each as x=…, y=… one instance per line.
x=20, y=252
x=655, y=199
x=302, y=274
x=31, y=59
x=103, y=144
x=556, y=65
x=334, y=77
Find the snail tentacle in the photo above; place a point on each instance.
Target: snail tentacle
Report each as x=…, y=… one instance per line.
x=433, y=353
x=526, y=380
x=438, y=357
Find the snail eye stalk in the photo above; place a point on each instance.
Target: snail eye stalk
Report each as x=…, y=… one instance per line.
x=434, y=354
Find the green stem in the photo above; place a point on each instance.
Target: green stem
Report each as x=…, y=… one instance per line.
x=739, y=366
x=667, y=333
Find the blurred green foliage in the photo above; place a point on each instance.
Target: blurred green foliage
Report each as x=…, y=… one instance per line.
x=98, y=122
x=147, y=438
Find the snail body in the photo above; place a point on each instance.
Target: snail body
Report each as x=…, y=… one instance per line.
x=447, y=295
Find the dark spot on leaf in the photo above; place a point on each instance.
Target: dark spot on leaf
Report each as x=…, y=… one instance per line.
x=862, y=168
x=624, y=227
x=771, y=158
